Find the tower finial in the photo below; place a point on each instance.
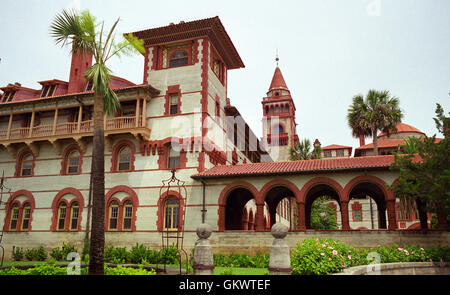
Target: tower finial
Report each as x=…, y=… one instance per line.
x=277, y=59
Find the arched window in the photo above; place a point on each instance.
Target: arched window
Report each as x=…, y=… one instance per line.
x=127, y=215
x=113, y=215
x=26, y=166
x=14, y=217
x=179, y=58
x=171, y=213
x=74, y=215
x=62, y=213
x=73, y=162
x=124, y=159
x=26, y=214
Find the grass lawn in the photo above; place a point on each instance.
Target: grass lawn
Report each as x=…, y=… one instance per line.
x=240, y=271
x=12, y=263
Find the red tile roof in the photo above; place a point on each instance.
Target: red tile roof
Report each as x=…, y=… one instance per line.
x=382, y=143
x=278, y=81
x=403, y=128
x=335, y=147
x=299, y=167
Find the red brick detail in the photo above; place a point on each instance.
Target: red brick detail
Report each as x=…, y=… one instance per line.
x=172, y=90
x=56, y=202
x=146, y=68
x=115, y=155
x=65, y=159
x=195, y=50
x=160, y=206
x=9, y=204
x=132, y=196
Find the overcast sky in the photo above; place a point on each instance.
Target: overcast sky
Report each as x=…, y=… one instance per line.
x=329, y=51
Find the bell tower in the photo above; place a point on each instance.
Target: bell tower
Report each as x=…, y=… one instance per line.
x=279, y=127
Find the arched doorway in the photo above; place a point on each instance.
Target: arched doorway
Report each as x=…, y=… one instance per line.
x=325, y=194
x=235, y=206
x=367, y=206
x=277, y=198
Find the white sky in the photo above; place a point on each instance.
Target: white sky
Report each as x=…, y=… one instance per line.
x=329, y=51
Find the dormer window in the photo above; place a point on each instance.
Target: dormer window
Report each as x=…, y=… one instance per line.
x=48, y=90
x=8, y=96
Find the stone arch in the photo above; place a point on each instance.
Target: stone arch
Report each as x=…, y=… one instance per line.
x=232, y=201
x=313, y=189
x=375, y=188
x=276, y=190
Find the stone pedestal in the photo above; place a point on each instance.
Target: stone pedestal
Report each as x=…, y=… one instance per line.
x=203, y=254
x=280, y=259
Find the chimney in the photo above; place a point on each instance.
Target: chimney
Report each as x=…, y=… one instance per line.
x=362, y=140
x=80, y=63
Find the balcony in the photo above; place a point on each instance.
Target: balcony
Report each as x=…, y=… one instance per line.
x=74, y=130
x=278, y=139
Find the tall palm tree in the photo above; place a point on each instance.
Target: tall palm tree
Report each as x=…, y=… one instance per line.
x=81, y=32
x=379, y=111
x=302, y=151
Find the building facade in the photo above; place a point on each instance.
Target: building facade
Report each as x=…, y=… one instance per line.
x=181, y=119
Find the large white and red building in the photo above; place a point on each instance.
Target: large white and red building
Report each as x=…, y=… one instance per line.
x=179, y=118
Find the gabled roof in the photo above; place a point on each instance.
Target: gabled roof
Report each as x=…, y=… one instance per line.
x=299, y=167
x=209, y=27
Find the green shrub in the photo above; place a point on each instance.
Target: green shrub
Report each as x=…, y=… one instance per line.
x=169, y=255
x=138, y=254
x=57, y=254
x=241, y=260
x=120, y=270
x=116, y=255
x=30, y=254
x=319, y=256
x=18, y=254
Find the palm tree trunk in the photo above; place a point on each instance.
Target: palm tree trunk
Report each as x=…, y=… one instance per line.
x=96, y=252
x=375, y=141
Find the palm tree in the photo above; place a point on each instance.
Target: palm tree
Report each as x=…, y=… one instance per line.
x=379, y=111
x=302, y=151
x=80, y=30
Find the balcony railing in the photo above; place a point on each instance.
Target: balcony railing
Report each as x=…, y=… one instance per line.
x=69, y=128
x=278, y=139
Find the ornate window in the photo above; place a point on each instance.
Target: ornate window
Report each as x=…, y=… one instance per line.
x=339, y=153
x=178, y=58
x=14, y=217
x=124, y=159
x=62, y=212
x=127, y=215
x=74, y=215
x=113, y=215
x=26, y=214
x=73, y=162
x=171, y=213
x=26, y=166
